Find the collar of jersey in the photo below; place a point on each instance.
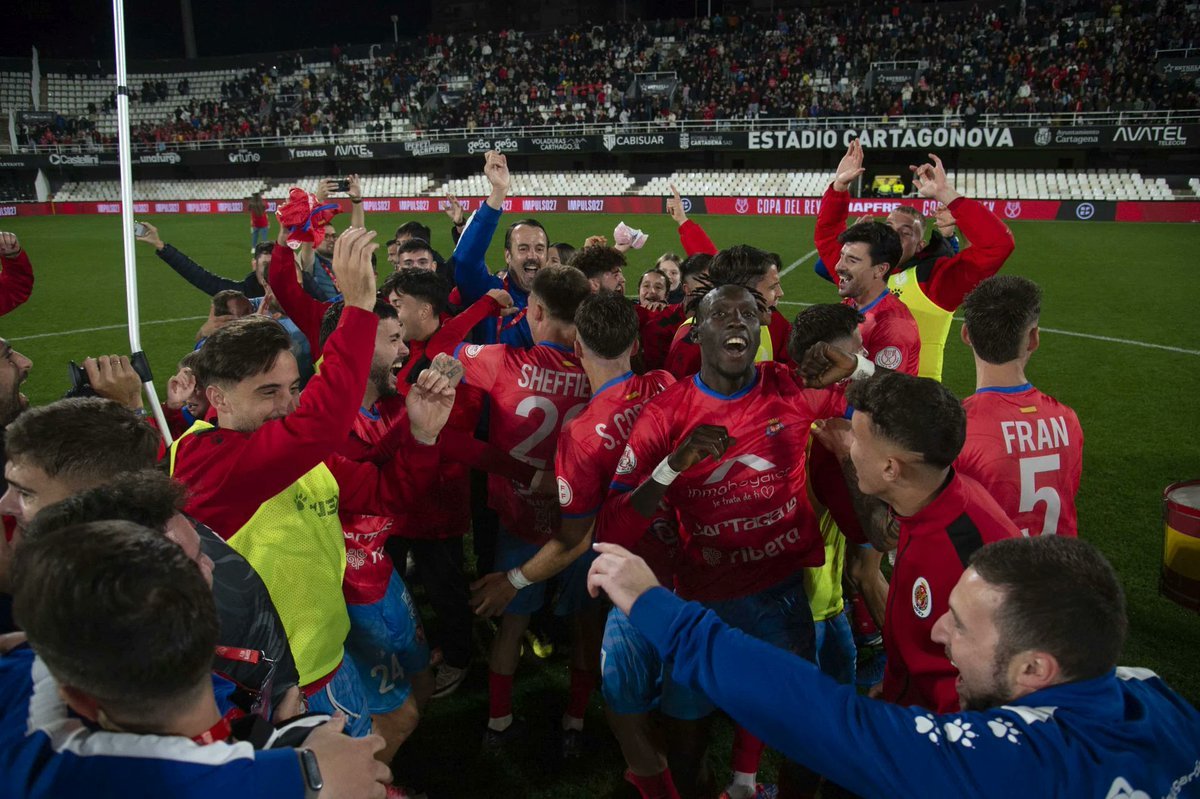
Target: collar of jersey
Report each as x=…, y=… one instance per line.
x=1004, y=389
x=611, y=383
x=875, y=301
x=556, y=346
x=741, y=392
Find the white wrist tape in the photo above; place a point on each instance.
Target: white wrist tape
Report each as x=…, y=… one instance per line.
x=864, y=370
x=663, y=473
x=517, y=578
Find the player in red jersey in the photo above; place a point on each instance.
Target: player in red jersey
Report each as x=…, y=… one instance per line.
x=1023, y=446
x=889, y=331
x=588, y=450
x=905, y=435
x=533, y=393
x=726, y=449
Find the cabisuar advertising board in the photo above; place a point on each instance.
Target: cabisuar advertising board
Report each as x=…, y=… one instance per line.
x=895, y=137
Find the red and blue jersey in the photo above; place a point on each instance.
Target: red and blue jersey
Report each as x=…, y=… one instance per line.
x=890, y=334
x=534, y=392
x=746, y=522
x=1026, y=449
x=589, y=449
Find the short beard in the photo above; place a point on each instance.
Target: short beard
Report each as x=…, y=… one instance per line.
x=998, y=691
x=381, y=379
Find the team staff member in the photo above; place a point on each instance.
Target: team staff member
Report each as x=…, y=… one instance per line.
x=525, y=252
x=932, y=284
x=1035, y=627
x=267, y=480
x=1023, y=446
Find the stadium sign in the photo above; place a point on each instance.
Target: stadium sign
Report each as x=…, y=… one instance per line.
x=883, y=138
x=17, y=162
x=639, y=141
x=554, y=144
x=1179, y=68
x=353, y=151
x=1159, y=135
x=160, y=158
x=710, y=140
x=424, y=147
x=245, y=157
x=296, y=153
x=1073, y=137
x=60, y=159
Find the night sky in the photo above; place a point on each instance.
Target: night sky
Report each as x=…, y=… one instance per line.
x=154, y=28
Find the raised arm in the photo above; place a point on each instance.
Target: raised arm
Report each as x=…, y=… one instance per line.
x=196, y=274
x=835, y=207
x=991, y=241
x=296, y=303
x=691, y=236
x=470, y=270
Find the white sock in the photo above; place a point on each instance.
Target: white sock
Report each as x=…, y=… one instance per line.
x=500, y=724
x=572, y=723
x=743, y=785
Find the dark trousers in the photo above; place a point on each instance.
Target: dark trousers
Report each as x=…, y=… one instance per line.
x=440, y=571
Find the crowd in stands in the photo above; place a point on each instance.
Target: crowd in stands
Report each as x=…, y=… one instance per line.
x=1061, y=56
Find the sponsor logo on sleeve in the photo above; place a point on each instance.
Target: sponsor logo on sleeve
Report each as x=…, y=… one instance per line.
x=889, y=358
x=565, y=494
x=628, y=461
x=922, y=599
x=473, y=349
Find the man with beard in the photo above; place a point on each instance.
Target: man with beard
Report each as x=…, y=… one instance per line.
x=525, y=250
x=889, y=332
x=726, y=448
x=1034, y=627
x=932, y=279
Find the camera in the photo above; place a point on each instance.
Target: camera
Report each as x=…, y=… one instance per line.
x=341, y=184
x=82, y=387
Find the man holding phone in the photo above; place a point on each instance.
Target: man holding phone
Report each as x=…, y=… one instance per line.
x=317, y=262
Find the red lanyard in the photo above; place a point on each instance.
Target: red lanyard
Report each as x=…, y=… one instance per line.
x=219, y=731
x=513, y=320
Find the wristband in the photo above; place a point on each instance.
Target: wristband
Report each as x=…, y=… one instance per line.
x=663, y=473
x=356, y=202
x=517, y=579
x=864, y=369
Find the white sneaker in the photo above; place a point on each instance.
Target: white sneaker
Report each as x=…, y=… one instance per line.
x=447, y=680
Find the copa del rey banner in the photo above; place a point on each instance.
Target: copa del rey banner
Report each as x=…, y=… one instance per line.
x=1064, y=210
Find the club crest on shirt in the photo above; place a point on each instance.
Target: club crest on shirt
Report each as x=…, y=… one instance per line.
x=774, y=426
x=711, y=556
x=628, y=461
x=922, y=599
x=889, y=357
x=473, y=349
x=565, y=494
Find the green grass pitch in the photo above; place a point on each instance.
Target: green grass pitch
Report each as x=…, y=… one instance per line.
x=1138, y=405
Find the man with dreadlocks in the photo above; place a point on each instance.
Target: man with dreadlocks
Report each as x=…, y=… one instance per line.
x=726, y=449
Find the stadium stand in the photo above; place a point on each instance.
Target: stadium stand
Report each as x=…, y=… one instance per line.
x=1095, y=184
x=1068, y=57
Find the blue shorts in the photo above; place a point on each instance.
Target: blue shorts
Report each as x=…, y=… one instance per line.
x=345, y=693
x=780, y=615
x=630, y=667
x=836, y=653
x=387, y=646
x=572, y=582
